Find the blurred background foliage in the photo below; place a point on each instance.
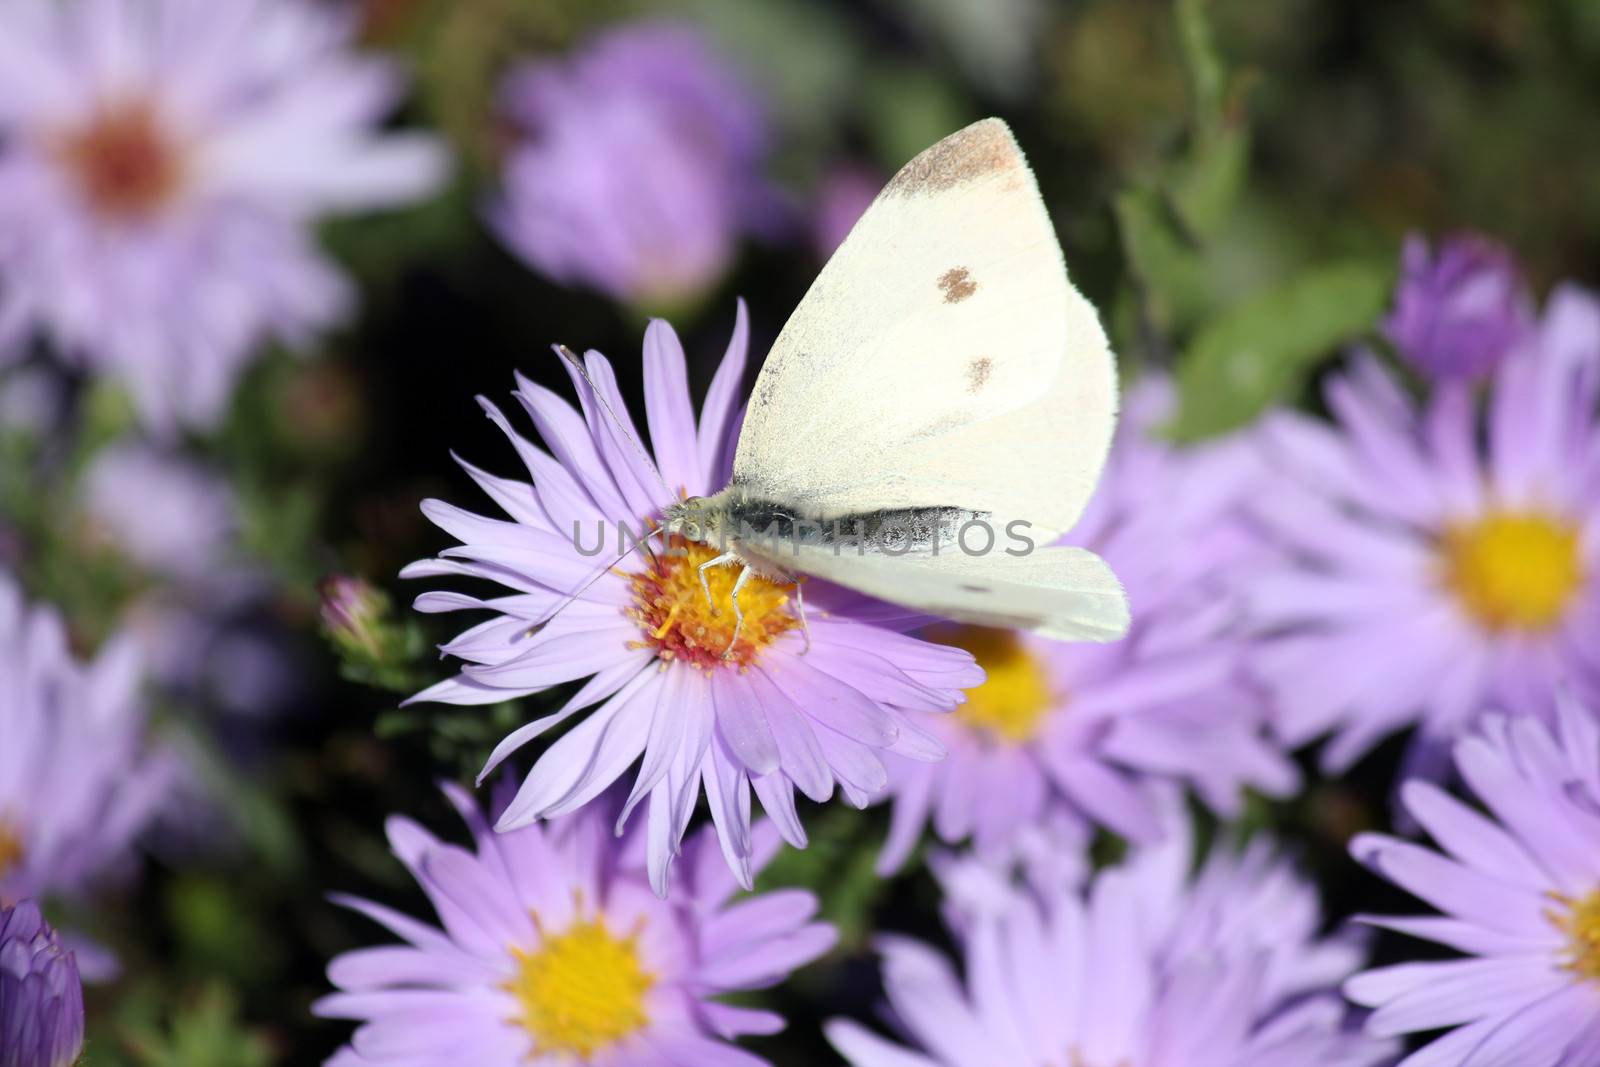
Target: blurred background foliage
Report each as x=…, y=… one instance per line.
x=1231, y=180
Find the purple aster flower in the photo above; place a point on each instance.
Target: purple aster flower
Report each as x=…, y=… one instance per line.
x=1458, y=313
x=1142, y=965
x=555, y=952
x=1436, y=567
x=1090, y=725
x=41, y=995
x=77, y=781
x=161, y=164
x=638, y=165
x=1519, y=892
x=771, y=715
x=166, y=513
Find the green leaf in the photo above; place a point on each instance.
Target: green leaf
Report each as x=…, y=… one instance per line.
x=1206, y=74
x=205, y=1031
x=1175, y=284
x=1259, y=351
x=1206, y=183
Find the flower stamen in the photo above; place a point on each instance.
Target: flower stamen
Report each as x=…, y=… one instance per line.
x=1513, y=570
x=688, y=614
x=123, y=162
x=1580, y=921
x=582, y=990
x=1011, y=704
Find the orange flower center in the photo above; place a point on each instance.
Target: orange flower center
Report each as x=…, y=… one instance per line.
x=677, y=620
x=123, y=162
x=11, y=851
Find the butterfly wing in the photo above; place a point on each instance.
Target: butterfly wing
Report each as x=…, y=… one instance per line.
x=941, y=358
x=1061, y=592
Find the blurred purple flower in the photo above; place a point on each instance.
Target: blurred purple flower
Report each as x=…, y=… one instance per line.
x=638, y=165
x=555, y=951
x=1091, y=725
x=650, y=646
x=78, y=781
x=33, y=400
x=1519, y=890
x=841, y=201
x=162, y=511
x=1143, y=965
x=161, y=165
x=41, y=995
x=1458, y=313
x=199, y=625
x=1433, y=568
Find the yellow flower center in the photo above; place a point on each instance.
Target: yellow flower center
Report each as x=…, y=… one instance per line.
x=582, y=990
x=11, y=852
x=124, y=164
x=670, y=606
x=1011, y=703
x=1513, y=570
x=1580, y=921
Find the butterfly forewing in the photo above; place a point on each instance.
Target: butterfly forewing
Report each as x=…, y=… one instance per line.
x=941, y=358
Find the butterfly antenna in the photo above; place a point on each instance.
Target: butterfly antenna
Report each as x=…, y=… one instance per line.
x=616, y=421
x=567, y=601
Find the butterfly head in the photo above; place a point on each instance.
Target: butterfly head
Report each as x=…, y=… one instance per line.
x=696, y=518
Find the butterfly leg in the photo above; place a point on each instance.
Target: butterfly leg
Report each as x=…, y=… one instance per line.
x=720, y=561
x=800, y=609
x=738, y=616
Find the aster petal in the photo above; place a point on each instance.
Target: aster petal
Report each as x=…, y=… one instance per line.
x=373, y=968
x=1468, y=836
x=732, y=1022
x=599, y=687
x=912, y=801
x=743, y=725
x=1451, y=887
x=1537, y=1035
x=668, y=409
x=567, y=436
x=862, y=1048
x=1460, y=935
x=553, y=657
x=1555, y=834
x=573, y=765
x=1105, y=794
x=721, y=407
x=831, y=702
x=728, y=796
x=1415, y=997
x=799, y=753
x=776, y=793
x=927, y=997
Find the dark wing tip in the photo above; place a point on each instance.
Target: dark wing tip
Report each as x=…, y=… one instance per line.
x=983, y=148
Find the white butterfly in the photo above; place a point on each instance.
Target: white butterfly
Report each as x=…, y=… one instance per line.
x=941, y=371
